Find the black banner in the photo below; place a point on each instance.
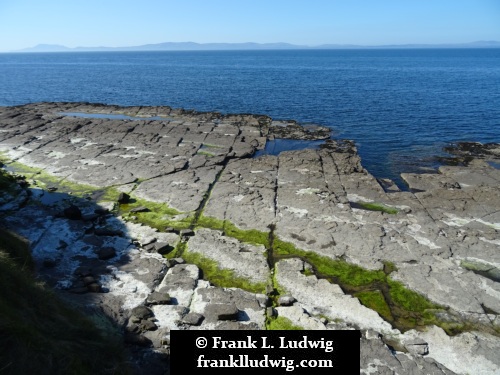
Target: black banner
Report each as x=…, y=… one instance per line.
x=264, y=352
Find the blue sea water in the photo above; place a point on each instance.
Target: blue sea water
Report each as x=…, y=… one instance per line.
x=399, y=106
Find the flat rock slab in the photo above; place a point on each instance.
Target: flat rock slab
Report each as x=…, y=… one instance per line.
x=321, y=200
x=183, y=190
x=245, y=260
x=319, y=297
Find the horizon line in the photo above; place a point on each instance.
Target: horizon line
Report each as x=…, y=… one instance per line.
x=162, y=46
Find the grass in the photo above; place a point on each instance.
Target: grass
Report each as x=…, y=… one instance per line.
x=40, y=334
x=281, y=323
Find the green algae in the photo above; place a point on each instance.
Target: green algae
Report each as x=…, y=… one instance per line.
x=402, y=307
x=374, y=299
x=281, y=323
x=205, y=153
x=372, y=206
x=338, y=270
x=399, y=305
x=221, y=277
x=251, y=236
x=158, y=215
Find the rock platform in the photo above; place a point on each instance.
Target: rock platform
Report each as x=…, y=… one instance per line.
x=213, y=236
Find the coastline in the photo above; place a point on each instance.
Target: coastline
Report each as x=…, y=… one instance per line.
x=431, y=246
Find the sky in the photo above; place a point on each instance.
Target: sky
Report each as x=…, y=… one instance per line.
x=113, y=23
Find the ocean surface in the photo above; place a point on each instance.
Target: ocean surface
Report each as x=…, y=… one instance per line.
x=399, y=106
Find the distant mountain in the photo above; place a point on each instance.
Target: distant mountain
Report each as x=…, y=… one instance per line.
x=169, y=46
x=192, y=46
x=46, y=48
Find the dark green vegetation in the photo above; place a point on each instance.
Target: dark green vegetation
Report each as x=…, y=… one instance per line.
x=280, y=323
x=221, y=277
x=251, y=236
x=402, y=307
x=158, y=215
x=39, y=333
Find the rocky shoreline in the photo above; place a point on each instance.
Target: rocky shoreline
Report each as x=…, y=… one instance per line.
x=207, y=237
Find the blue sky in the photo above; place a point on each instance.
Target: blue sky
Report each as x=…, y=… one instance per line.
x=25, y=23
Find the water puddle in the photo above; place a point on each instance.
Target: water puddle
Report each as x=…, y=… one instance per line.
x=277, y=146
x=494, y=164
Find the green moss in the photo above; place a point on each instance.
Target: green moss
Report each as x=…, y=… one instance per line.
x=389, y=267
x=281, y=323
x=206, y=153
x=43, y=180
x=408, y=299
x=250, y=236
x=341, y=271
x=308, y=272
x=221, y=277
x=371, y=206
x=178, y=252
x=159, y=216
x=374, y=300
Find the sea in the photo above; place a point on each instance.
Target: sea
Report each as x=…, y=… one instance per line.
x=399, y=106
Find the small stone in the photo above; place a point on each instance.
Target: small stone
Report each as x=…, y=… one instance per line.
x=286, y=300
x=73, y=213
x=150, y=247
x=222, y=311
x=417, y=347
x=142, y=312
x=51, y=189
x=87, y=280
x=101, y=211
x=169, y=230
x=147, y=240
x=140, y=209
x=158, y=298
x=187, y=232
x=135, y=339
x=90, y=217
x=83, y=271
x=193, y=319
x=106, y=253
x=163, y=248
x=123, y=198
x=270, y=312
x=148, y=325
x=94, y=288
x=175, y=261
